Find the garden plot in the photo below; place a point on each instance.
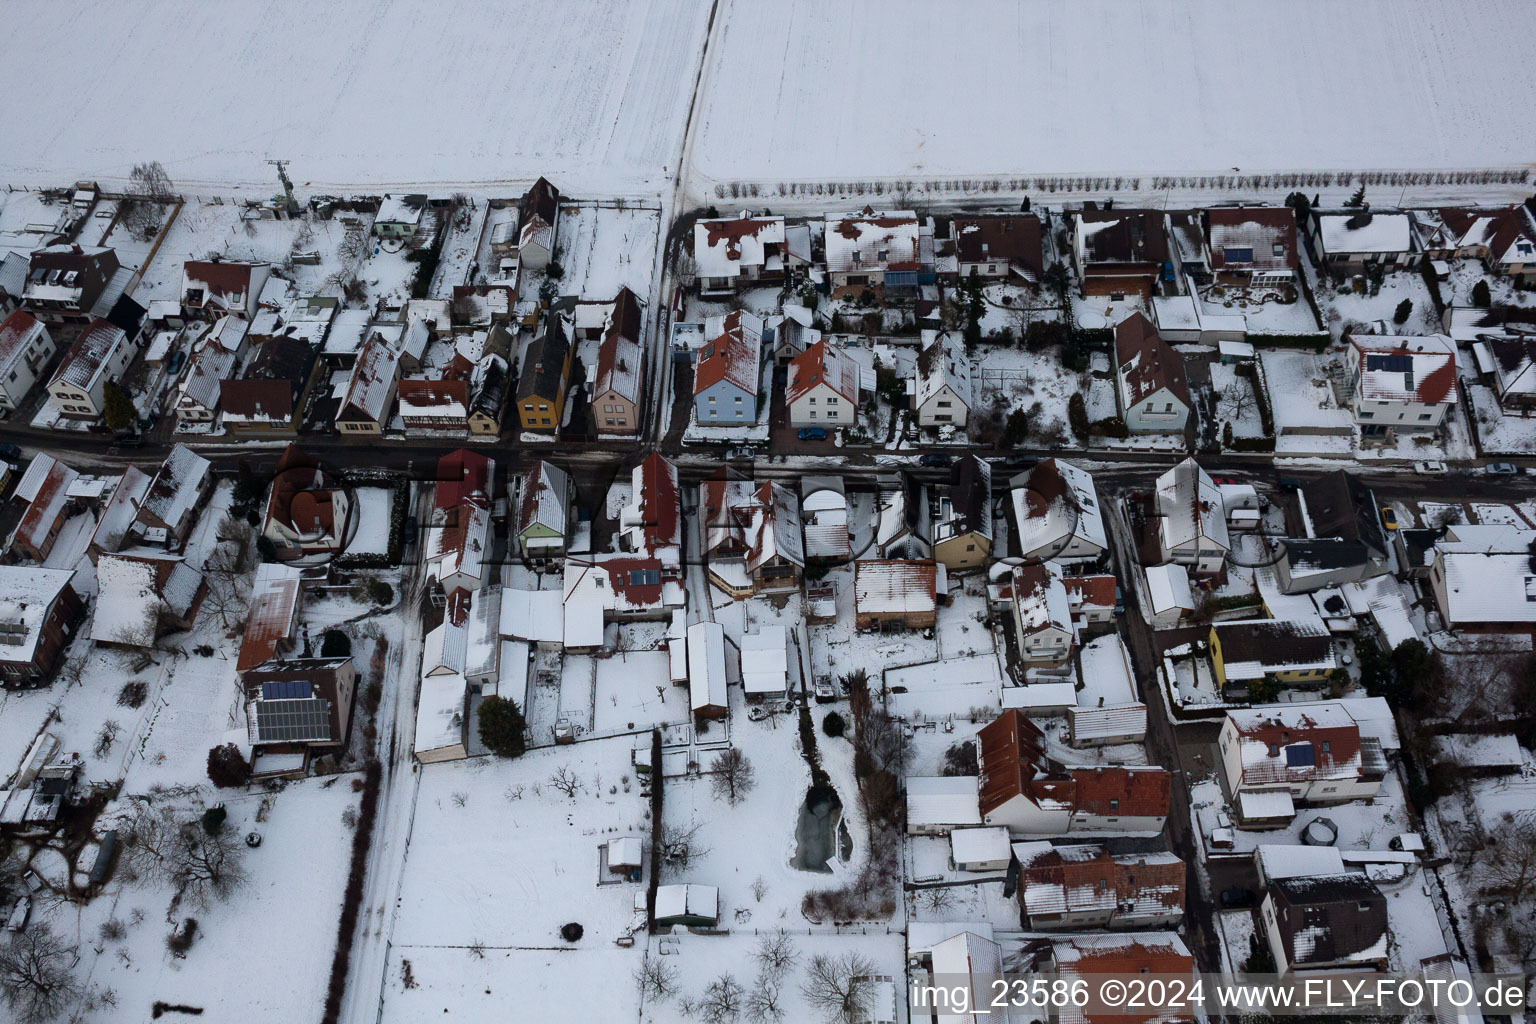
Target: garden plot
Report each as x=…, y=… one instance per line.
x=373, y=505
x=459, y=249
x=604, y=248
x=1361, y=825
x=1034, y=381
x=1500, y=515
x=1457, y=291
x=1346, y=309
x=1308, y=416
x=1264, y=310
x=635, y=691
x=837, y=648
x=961, y=632
x=946, y=690
x=1236, y=402
x=1499, y=434
x=27, y=221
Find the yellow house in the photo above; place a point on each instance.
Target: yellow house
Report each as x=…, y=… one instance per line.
x=545, y=378
x=1292, y=652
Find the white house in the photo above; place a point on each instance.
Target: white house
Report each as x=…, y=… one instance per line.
x=872, y=249
x=1152, y=387
x=100, y=355
x=1192, y=522
x=1347, y=240
x=1056, y=513
x=1402, y=383
x=942, y=392
x=1042, y=614
x=25, y=349
x=823, y=387
x=733, y=251
x=1312, y=753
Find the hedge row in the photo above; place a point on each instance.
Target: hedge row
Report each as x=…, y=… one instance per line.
x=352, y=902
x=1223, y=604
x=656, y=851
x=1314, y=341
x=1252, y=444
x=1096, y=337
x=1112, y=426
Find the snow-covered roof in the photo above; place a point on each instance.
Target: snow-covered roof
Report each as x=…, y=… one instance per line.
x=461, y=546
x=773, y=529
x=734, y=353
x=676, y=901
x=348, y=332
x=445, y=649
x=544, y=490
x=895, y=586
x=1042, y=697
x=942, y=800
x=537, y=616
x=1395, y=368
x=722, y=247
x=45, y=487
x=432, y=400
x=1360, y=231
x=372, y=382
x=131, y=592
x=1281, y=744
x=942, y=363
x=765, y=660
x=17, y=333
x=1057, y=502
x=823, y=364
x=273, y=613
x=29, y=595
x=1168, y=587
x=1265, y=804
x=1288, y=860
x=1500, y=750
x=440, y=712
x=706, y=665
x=978, y=845
x=970, y=960
x=872, y=241
x=177, y=486
x=824, y=509
x=401, y=209
x=1488, y=577
x=1040, y=599
x=120, y=510
x=90, y=355
x=1191, y=509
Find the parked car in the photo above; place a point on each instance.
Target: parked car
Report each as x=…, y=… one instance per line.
x=10, y=451
x=1430, y=467
x=1234, y=898
x=1502, y=469
x=1290, y=483
x=812, y=434
x=934, y=460
x=741, y=453
x=408, y=535
x=1019, y=461
x=1388, y=517
x=19, y=914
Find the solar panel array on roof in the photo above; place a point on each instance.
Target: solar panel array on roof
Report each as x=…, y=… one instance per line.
x=1300, y=755
x=644, y=577
x=1391, y=364
x=286, y=689
x=293, y=721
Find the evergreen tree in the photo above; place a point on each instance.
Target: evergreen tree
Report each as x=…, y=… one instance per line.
x=502, y=727
x=1404, y=311
x=1358, y=199
x=1480, y=295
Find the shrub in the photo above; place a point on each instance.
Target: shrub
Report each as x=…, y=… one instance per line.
x=213, y=819
x=352, y=898
x=1403, y=312
x=380, y=592
x=502, y=727
x=1226, y=434
x=834, y=724
x=1077, y=416
x=180, y=940
x=1481, y=296
x=335, y=644
x=1112, y=426
x=227, y=767
x=133, y=694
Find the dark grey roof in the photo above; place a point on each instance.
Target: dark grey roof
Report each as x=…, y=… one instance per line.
x=1342, y=506
x=1323, y=555
x=1337, y=916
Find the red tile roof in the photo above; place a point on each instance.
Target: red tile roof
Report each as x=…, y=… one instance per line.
x=1259, y=228
x=463, y=477
x=1146, y=361
x=822, y=364
x=1013, y=762
x=1098, y=591
x=730, y=357
x=660, y=507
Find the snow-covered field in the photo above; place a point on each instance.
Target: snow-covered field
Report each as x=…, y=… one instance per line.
x=594, y=95
x=793, y=90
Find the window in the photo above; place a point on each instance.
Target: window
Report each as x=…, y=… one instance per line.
x=813, y=399
x=1279, y=249
x=738, y=399
x=543, y=408
x=623, y=423
x=970, y=547
x=608, y=422
x=813, y=414
x=1422, y=416
x=943, y=405
x=1168, y=407
x=1326, y=746
x=1114, y=805
x=607, y=408
x=528, y=407
x=714, y=412
x=830, y=401
x=1366, y=414
x=1149, y=407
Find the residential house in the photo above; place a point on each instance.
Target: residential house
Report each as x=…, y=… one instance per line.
x=25, y=350
x=1030, y=794
x=997, y=246
x=1170, y=597
x=941, y=390
x=617, y=588
x=544, y=510
x=1348, y=543
x=272, y=618
x=753, y=538
x=539, y=220
x=1482, y=579
x=306, y=514
x=688, y=905
x=38, y=616
x=371, y=386
x=213, y=288
x=1091, y=599
x=546, y=377
x=1325, y=923
x=1152, y=388
x=1287, y=652
x=399, y=216
x=938, y=804
x=727, y=377
x=1042, y=614
x=490, y=384
x=175, y=498
x=98, y=357
x=765, y=663
x=65, y=282
x=1119, y=252
x=620, y=369
x=142, y=597
x=303, y=706
x=1502, y=238
x=119, y=513
x=877, y=250
x=1082, y=959
x=214, y=357
x=1347, y=241
x=903, y=525
x=1512, y=371
x=433, y=406
x=1252, y=245
x=969, y=960
x=823, y=388
x=459, y=539
x=651, y=523
x=984, y=848
x=1466, y=324
x=1402, y=383
x=824, y=518
x=732, y=252
x=269, y=397
x=1056, y=513
x=1191, y=521
x=895, y=593
x=350, y=330
x=962, y=517
x=1274, y=758
x=45, y=489
x=1083, y=887
x=13, y=280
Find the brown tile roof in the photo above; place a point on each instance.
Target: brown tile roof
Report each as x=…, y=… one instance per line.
x=1013, y=237
x=270, y=619
x=660, y=506
x=463, y=478
x=253, y=398
x=1259, y=228
x=822, y=364
x=1129, y=236
x=729, y=357
x=1098, y=591
x=1147, y=362
x=1013, y=763
x=222, y=279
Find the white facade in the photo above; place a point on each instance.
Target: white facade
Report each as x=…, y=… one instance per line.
x=821, y=407
x=1161, y=412
x=83, y=395
x=23, y=356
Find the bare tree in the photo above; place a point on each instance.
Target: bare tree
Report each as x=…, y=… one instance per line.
x=150, y=189
x=208, y=865
x=838, y=986
x=1236, y=399
x=566, y=781
x=680, y=842
x=1513, y=871
x=722, y=1001
x=105, y=739
x=763, y=1002
x=776, y=954
x=35, y=974
x=936, y=900
x=759, y=888
x=656, y=977
x=733, y=776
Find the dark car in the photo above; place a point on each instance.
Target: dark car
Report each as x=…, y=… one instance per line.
x=1019, y=461
x=812, y=434
x=10, y=451
x=934, y=460
x=1233, y=899
x=408, y=535
x=1290, y=483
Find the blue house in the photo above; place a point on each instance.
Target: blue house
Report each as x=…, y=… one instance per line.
x=728, y=376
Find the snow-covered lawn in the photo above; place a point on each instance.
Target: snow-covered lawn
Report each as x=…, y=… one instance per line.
x=1500, y=434
x=374, y=505
x=1345, y=309
x=1235, y=401
x=1309, y=417
x=1433, y=112
x=1262, y=309
x=602, y=249
x=403, y=92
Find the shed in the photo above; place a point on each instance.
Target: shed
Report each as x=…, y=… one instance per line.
x=1169, y=594
x=980, y=849
x=1235, y=352
x=693, y=905
x=765, y=663
x=1265, y=808
x=1041, y=699
x=677, y=647
x=706, y=669
x=624, y=855
x=938, y=803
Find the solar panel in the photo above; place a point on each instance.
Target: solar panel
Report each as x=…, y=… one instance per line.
x=1300, y=756
x=293, y=721
x=1391, y=364
x=286, y=689
x=644, y=577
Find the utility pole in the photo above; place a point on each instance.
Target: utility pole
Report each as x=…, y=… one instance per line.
x=282, y=175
